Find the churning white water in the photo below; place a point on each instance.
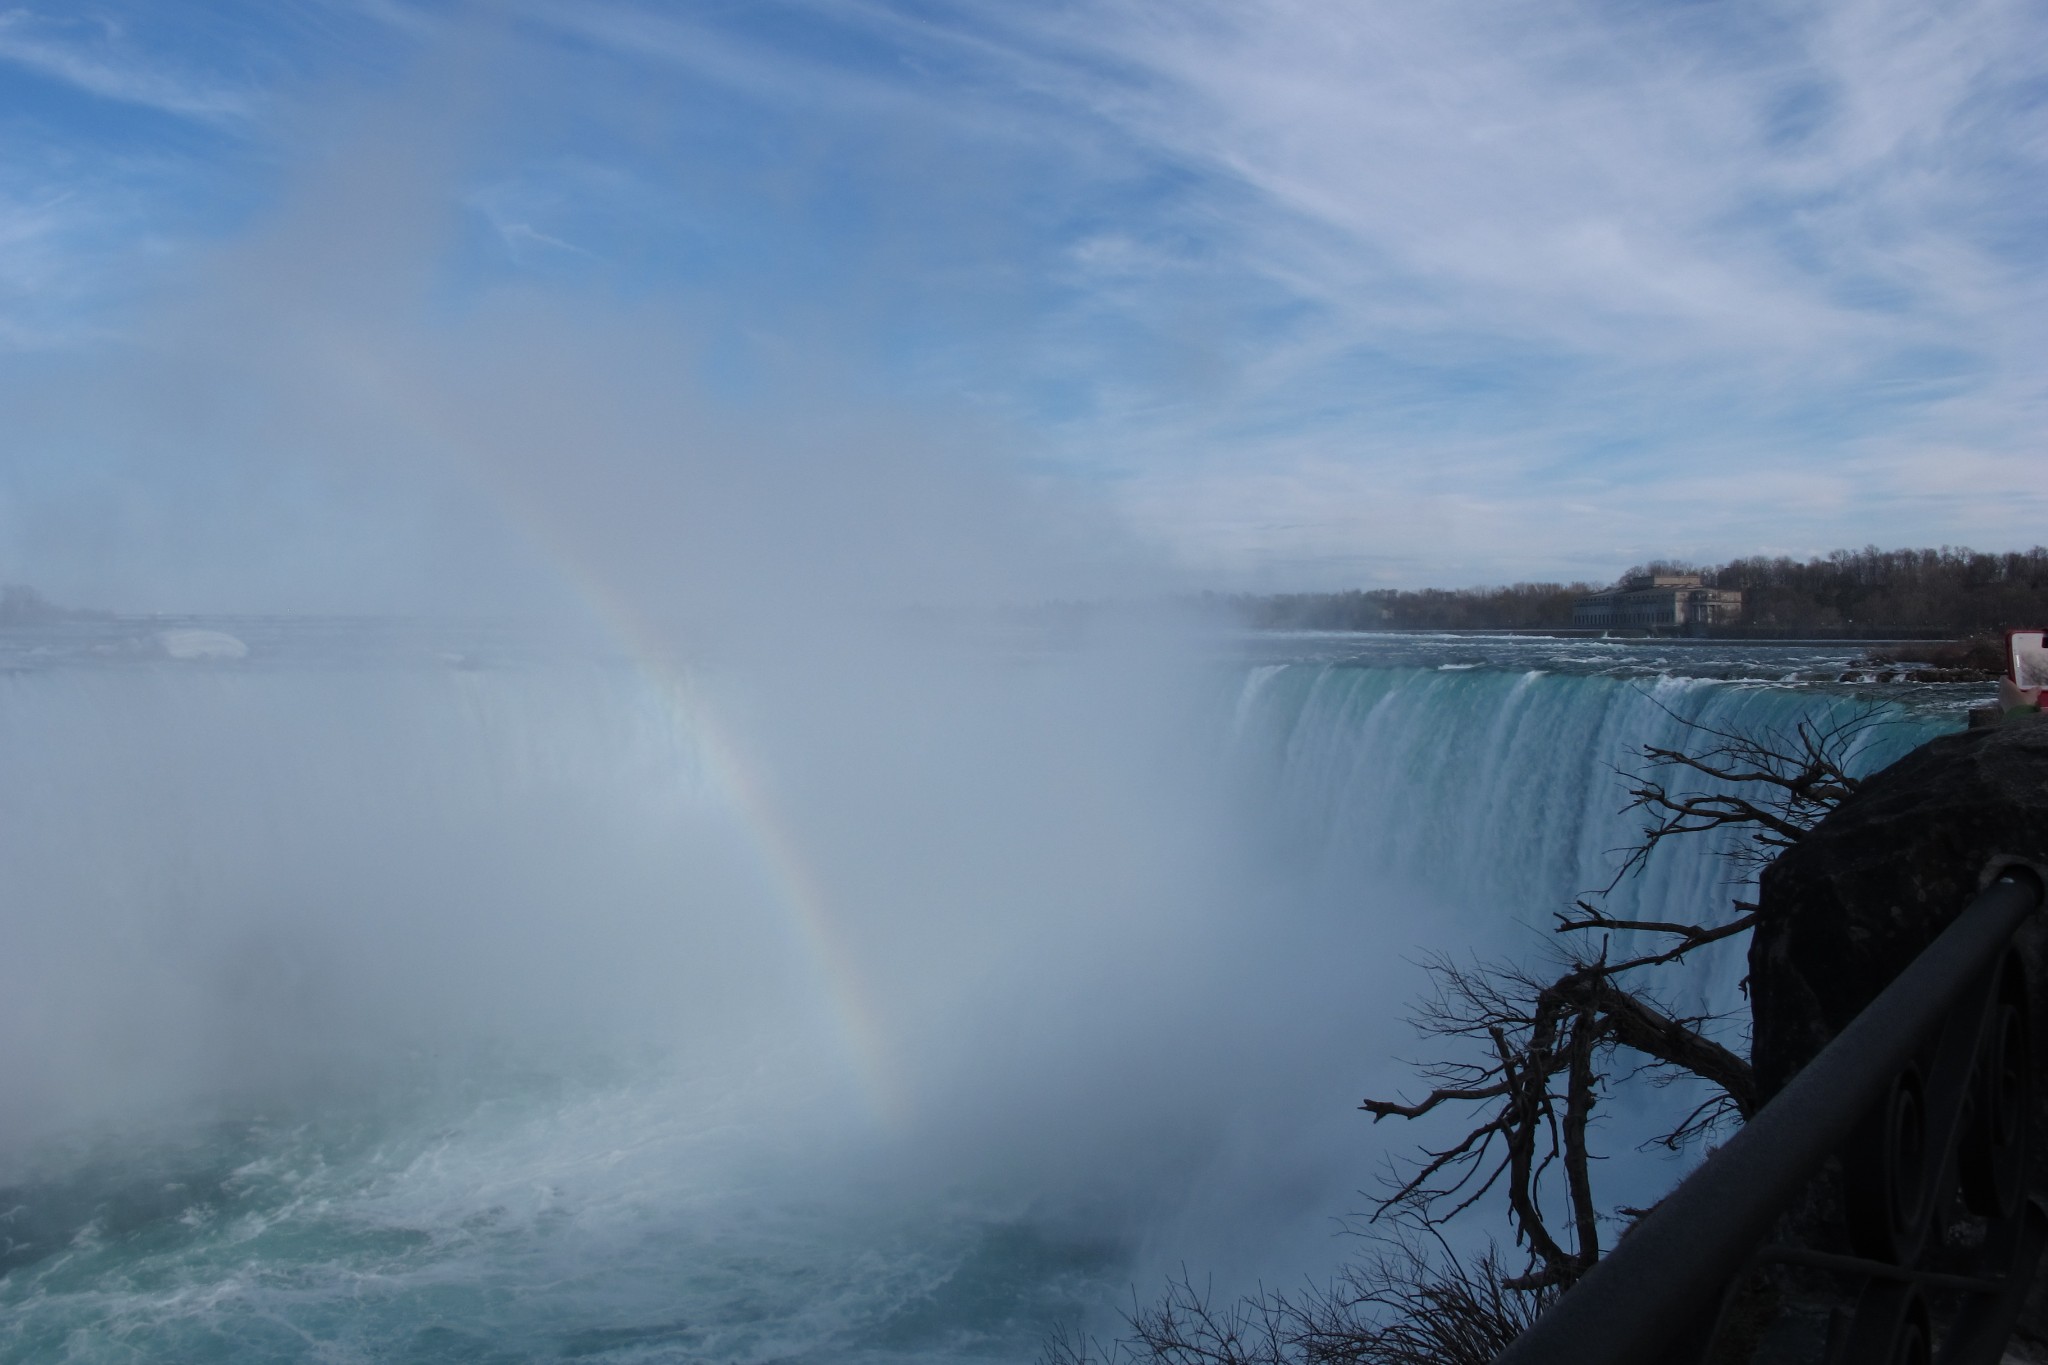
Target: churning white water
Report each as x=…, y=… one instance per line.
x=394, y=992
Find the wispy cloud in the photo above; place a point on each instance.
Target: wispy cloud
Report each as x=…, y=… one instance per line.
x=1408, y=289
x=58, y=233
x=96, y=60
x=1689, y=234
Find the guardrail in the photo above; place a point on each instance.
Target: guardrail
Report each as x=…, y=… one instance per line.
x=1927, y=1097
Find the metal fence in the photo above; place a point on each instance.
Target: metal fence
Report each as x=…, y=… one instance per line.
x=1927, y=1097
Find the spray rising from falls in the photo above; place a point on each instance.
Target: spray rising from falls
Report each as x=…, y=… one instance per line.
x=398, y=998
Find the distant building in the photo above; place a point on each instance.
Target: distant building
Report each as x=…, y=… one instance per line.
x=1652, y=601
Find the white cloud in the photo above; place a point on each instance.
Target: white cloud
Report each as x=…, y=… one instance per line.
x=1617, y=196
x=1466, y=284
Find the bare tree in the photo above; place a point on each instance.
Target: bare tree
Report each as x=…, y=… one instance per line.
x=1529, y=1061
x=1534, y=1050
x=1535, y=1077
x=1411, y=1302
x=1776, y=783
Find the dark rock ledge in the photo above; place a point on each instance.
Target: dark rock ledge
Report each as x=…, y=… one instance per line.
x=1860, y=896
x=1846, y=908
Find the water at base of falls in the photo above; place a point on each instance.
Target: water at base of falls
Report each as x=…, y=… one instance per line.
x=552, y=1221
x=375, y=995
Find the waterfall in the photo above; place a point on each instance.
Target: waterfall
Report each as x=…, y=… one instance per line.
x=427, y=1002
x=1507, y=788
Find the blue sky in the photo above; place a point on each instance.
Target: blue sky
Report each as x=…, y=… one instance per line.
x=1284, y=294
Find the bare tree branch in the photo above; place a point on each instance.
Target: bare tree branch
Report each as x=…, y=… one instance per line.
x=1783, y=782
x=1533, y=1075
x=1412, y=1302
x=1528, y=1067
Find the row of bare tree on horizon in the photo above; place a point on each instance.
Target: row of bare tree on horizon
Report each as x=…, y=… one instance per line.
x=1868, y=593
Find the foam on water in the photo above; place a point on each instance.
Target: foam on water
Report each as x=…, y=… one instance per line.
x=624, y=1222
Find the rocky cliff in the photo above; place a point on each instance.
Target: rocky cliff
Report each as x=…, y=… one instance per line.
x=1844, y=911
x=1854, y=901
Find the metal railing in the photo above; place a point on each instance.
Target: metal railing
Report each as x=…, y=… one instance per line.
x=1927, y=1097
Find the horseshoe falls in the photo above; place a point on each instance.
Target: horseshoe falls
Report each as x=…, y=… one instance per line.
x=383, y=992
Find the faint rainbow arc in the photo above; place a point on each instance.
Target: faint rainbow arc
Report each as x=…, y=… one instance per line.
x=775, y=846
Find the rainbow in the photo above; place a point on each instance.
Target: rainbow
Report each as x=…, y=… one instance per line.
x=779, y=854
x=774, y=844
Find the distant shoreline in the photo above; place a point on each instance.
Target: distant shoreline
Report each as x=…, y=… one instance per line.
x=1720, y=636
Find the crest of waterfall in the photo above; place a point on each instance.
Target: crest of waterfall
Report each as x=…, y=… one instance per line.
x=1500, y=795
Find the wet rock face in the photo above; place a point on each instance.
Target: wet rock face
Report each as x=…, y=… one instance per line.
x=1853, y=902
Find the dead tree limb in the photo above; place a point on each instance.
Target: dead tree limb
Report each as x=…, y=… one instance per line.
x=1533, y=1074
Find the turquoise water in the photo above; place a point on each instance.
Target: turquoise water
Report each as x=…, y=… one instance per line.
x=394, y=993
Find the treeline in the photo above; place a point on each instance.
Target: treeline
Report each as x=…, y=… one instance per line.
x=1874, y=591
x=1524, y=606
x=1868, y=592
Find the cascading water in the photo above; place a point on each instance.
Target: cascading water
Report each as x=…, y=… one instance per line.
x=1501, y=790
x=375, y=994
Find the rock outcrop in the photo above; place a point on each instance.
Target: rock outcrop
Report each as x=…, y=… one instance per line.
x=1853, y=902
